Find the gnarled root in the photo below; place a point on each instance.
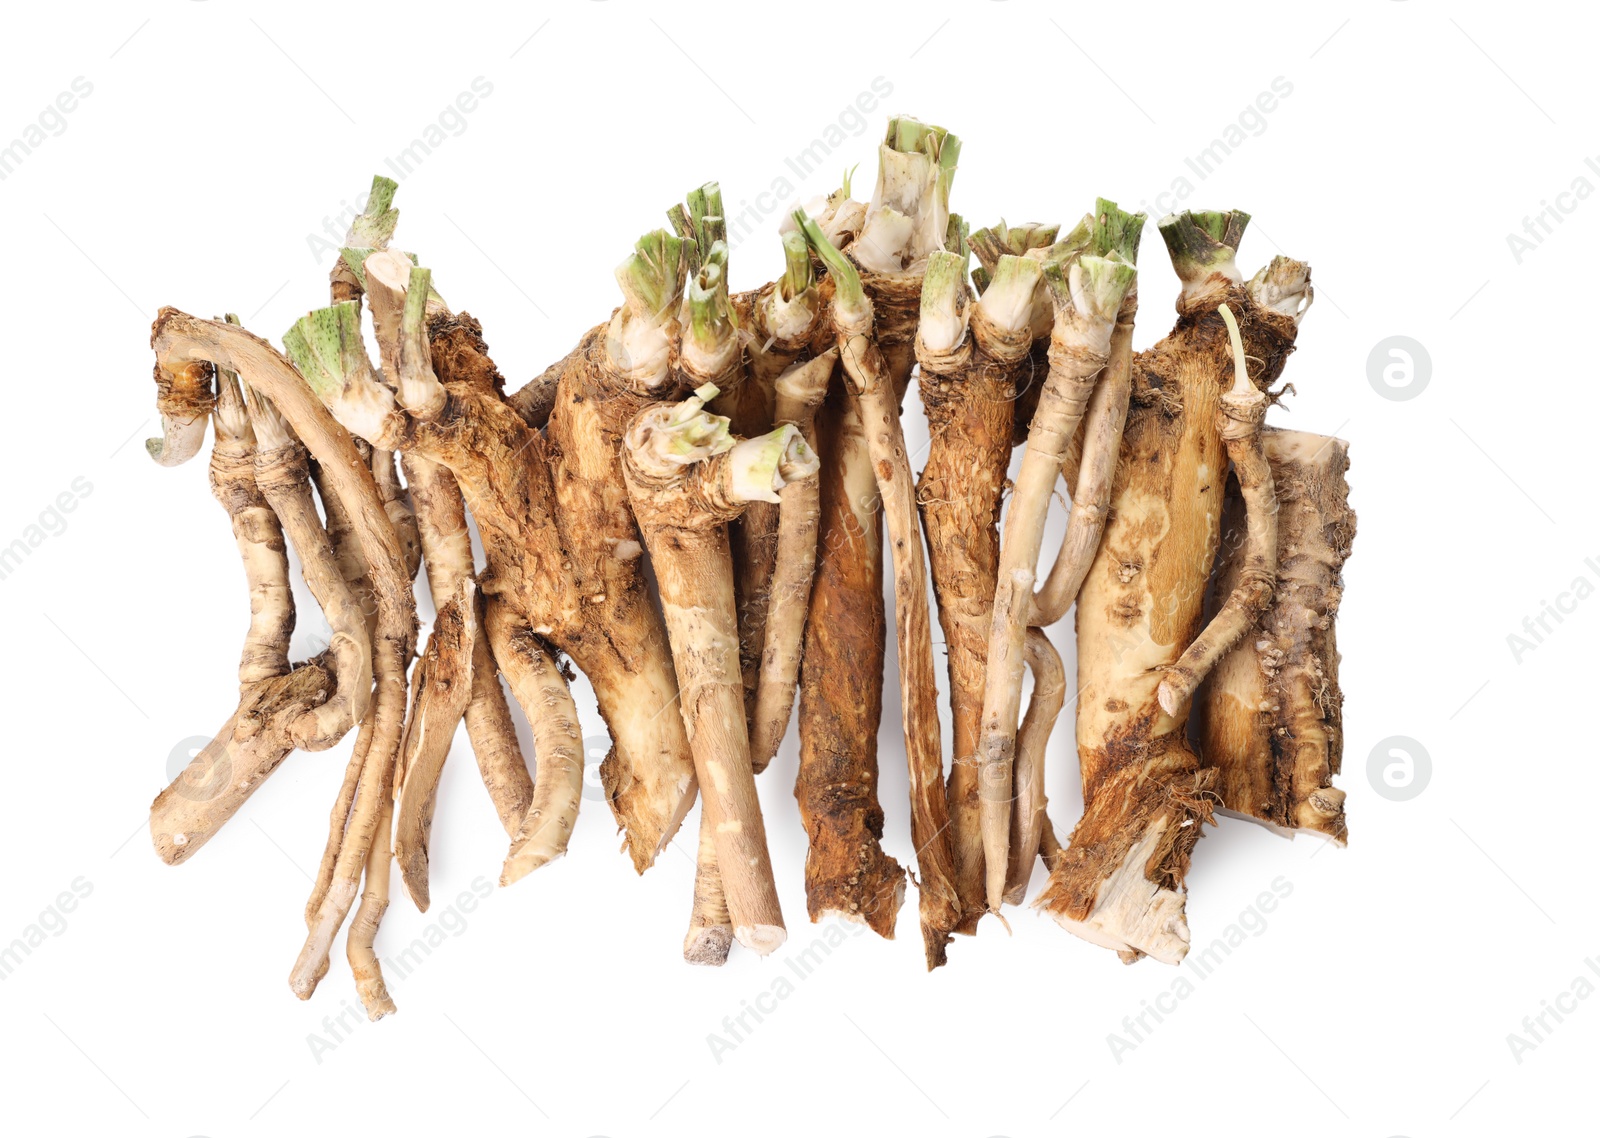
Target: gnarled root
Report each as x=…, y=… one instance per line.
x=848, y=874
x=1268, y=717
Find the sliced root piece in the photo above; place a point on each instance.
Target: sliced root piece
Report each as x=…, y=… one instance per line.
x=1269, y=715
x=541, y=691
x=441, y=686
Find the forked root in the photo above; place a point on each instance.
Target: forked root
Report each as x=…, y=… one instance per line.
x=441, y=686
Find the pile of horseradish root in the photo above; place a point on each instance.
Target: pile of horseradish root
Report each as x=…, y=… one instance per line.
x=697, y=508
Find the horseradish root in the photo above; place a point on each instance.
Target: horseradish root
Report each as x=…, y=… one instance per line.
x=871, y=387
x=799, y=392
x=1087, y=288
x=969, y=386
x=1268, y=717
x=701, y=558
x=848, y=874
x=688, y=477
x=1120, y=881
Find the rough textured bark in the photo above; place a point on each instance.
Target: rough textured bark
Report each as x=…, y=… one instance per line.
x=968, y=386
x=1269, y=718
x=872, y=388
x=1120, y=881
x=841, y=687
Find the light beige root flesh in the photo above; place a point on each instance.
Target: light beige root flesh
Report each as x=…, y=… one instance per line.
x=397, y=504
x=1088, y=471
x=441, y=685
x=1079, y=350
x=541, y=691
x=279, y=709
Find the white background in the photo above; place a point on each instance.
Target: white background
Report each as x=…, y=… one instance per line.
x=1378, y=998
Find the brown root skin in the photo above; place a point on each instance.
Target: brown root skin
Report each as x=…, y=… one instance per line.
x=1120, y=882
x=1268, y=718
x=969, y=395
x=841, y=687
x=872, y=387
x=447, y=552
x=441, y=687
